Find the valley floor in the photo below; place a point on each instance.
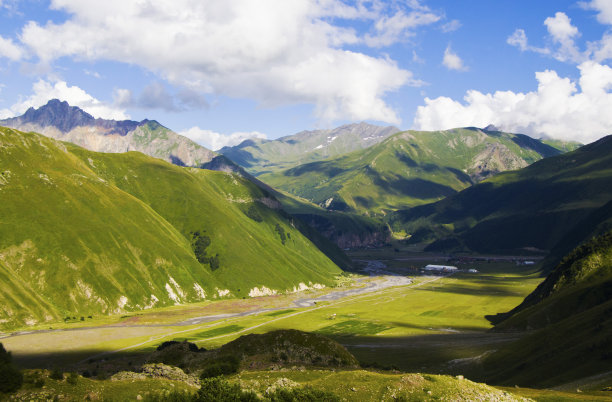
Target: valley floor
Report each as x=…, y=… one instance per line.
x=390, y=315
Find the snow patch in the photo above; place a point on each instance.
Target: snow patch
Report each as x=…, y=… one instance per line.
x=199, y=291
x=330, y=139
x=172, y=295
x=264, y=291
x=318, y=147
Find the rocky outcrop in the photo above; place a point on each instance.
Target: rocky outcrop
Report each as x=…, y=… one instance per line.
x=68, y=123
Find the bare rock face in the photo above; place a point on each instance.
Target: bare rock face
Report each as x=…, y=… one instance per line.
x=68, y=123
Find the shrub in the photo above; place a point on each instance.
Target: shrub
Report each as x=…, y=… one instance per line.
x=11, y=379
x=218, y=390
x=223, y=366
x=57, y=374
x=281, y=233
x=305, y=394
x=253, y=213
x=72, y=379
x=5, y=356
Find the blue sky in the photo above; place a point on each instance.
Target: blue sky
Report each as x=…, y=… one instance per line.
x=220, y=71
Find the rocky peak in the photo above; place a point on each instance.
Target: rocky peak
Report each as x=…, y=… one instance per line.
x=58, y=114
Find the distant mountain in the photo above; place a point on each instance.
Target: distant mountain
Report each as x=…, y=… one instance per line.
x=61, y=121
x=409, y=169
x=535, y=207
x=572, y=310
x=260, y=156
x=86, y=233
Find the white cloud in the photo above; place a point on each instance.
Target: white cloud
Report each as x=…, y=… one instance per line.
x=556, y=110
x=9, y=50
x=519, y=39
x=451, y=26
x=216, y=141
x=283, y=52
x=43, y=91
x=389, y=30
x=604, y=8
x=563, y=33
x=452, y=61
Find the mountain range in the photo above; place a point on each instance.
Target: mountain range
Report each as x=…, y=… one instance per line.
x=61, y=121
x=408, y=169
x=259, y=156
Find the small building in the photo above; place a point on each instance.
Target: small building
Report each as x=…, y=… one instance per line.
x=441, y=268
x=473, y=271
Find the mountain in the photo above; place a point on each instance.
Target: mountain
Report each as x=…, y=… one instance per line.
x=408, y=169
x=572, y=312
x=535, y=207
x=61, y=121
x=260, y=156
x=85, y=233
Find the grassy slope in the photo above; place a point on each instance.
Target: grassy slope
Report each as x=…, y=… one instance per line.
x=533, y=207
x=216, y=202
x=573, y=306
x=73, y=220
x=408, y=169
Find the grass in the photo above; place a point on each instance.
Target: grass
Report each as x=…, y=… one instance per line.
x=88, y=234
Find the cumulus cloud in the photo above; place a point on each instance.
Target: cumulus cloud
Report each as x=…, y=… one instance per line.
x=563, y=33
x=286, y=52
x=603, y=7
x=452, y=61
x=215, y=141
x=43, y=91
x=557, y=109
x=9, y=49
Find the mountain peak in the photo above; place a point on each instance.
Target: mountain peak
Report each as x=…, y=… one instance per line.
x=58, y=114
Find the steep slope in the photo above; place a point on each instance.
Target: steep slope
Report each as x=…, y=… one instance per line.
x=573, y=310
x=69, y=123
x=534, y=207
x=408, y=169
x=260, y=156
x=86, y=233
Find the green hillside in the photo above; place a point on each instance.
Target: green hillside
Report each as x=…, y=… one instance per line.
x=573, y=310
x=409, y=169
x=535, y=207
x=85, y=233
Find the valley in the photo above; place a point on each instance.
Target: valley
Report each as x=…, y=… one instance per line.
x=388, y=315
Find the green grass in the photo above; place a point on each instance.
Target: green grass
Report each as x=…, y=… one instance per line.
x=537, y=207
x=353, y=328
x=85, y=233
x=408, y=169
x=217, y=331
x=277, y=313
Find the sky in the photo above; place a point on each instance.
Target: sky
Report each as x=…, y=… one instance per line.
x=221, y=71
